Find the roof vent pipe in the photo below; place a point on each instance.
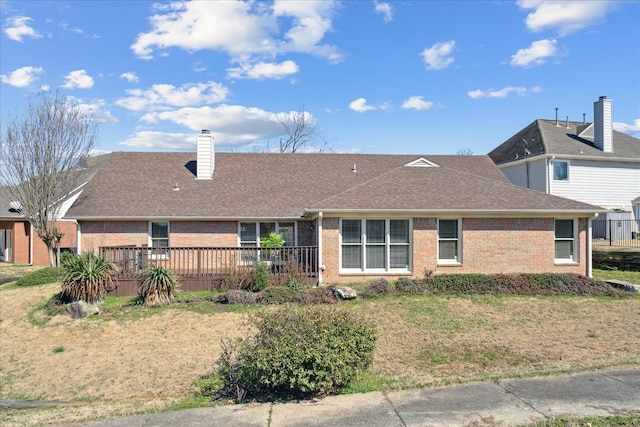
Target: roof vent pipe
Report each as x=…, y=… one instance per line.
x=567, y=123
x=584, y=118
x=556, y=116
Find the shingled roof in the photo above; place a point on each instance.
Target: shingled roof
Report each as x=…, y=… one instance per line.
x=133, y=185
x=572, y=139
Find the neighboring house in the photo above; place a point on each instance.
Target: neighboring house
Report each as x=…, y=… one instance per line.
x=19, y=242
x=367, y=215
x=587, y=162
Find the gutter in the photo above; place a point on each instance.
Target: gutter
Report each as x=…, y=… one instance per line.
x=31, y=244
x=320, y=264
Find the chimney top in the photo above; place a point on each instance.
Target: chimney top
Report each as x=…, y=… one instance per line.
x=602, y=97
x=206, y=132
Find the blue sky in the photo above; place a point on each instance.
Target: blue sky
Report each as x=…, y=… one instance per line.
x=418, y=77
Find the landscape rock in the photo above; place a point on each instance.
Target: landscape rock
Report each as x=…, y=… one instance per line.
x=345, y=292
x=625, y=286
x=82, y=309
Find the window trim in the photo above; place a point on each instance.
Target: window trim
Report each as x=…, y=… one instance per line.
x=553, y=170
x=574, y=247
x=257, y=225
x=157, y=253
x=387, y=245
x=458, y=256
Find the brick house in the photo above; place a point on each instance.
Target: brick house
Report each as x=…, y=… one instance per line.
x=366, y=215
x=19, y=242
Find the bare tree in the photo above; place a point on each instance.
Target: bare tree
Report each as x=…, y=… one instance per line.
x=300, y=130
x=465, y=152
x=39, y=156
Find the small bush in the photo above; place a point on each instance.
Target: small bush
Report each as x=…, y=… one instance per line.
x=404, y=285
x=157, y=286
x=42, y=277
x=278, y=295
x=235, y=278
x=88, y=277
x=241, y=297
x=377, y=288
x=262, y=275
x=298, y=351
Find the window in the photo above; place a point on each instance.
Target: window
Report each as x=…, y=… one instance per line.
x=560, y=171
x=374, y=245
x=252, y=232
x=565, y=241
x=448, y=241
x=159, y=234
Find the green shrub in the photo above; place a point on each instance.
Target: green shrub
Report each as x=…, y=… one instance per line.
x=88, y=277
x=157, y=286
x=278, y=295
x=261, y=278
x=42, y=277
x=377, y=288
x=298, y=351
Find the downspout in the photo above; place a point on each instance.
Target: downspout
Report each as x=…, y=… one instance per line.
x=31, y=243
x=320, y=266
x=78, y=237
x=590, y=246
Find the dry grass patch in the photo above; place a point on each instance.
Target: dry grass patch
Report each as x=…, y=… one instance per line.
x=118, y=365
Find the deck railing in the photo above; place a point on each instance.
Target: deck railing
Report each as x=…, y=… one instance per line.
x=616, y=232
x=202, y=268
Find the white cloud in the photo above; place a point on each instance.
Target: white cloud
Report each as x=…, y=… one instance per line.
x=130, y=76
x=417, y=103
x=384, y=9
x=360, y=106
x=78, y=79
x=22, y=77
x=503, y=93
x=161, y=140
x=247, y=31
x=17, y=27
x=165, y=96
x=230, y=125
x=439, y=56
x=630, y=129
x=536, y=54
x=564, y=16
x=96, y=110
x=264, y=70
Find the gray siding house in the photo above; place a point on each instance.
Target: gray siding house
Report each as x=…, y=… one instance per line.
x=588, y=162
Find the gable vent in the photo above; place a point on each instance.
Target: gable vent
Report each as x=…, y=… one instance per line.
x=422, y=163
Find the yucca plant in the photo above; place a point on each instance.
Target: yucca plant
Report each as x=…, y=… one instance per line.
x=158, y=286
x=88, y=277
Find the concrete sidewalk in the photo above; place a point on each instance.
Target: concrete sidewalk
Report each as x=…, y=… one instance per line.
x=505, y=403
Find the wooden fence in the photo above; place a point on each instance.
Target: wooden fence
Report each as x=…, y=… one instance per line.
x=207, y=268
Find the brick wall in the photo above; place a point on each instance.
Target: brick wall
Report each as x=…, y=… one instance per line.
x=489, y=245
x=113, y=233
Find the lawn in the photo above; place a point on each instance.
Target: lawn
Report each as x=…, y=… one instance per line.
x=135, y=359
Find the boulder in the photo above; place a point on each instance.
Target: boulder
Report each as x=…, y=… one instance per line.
x=345, y=292
x=82, y=309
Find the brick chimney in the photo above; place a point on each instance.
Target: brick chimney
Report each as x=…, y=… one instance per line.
x=603, y=124
x=206, y=160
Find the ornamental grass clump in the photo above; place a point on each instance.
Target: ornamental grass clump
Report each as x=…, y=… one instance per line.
x=88, y=278
x=158, y=286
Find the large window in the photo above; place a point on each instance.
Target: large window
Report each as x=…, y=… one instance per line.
x=449, y=241
x=560, y=171
x=251, y=233
x=565, y=239
x=375, y=244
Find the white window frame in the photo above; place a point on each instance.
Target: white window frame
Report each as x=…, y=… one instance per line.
x=257, y=225
x=574, y=247
x=387, y=244
x=155, y=253
x=553, y=170
x=458, y=239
